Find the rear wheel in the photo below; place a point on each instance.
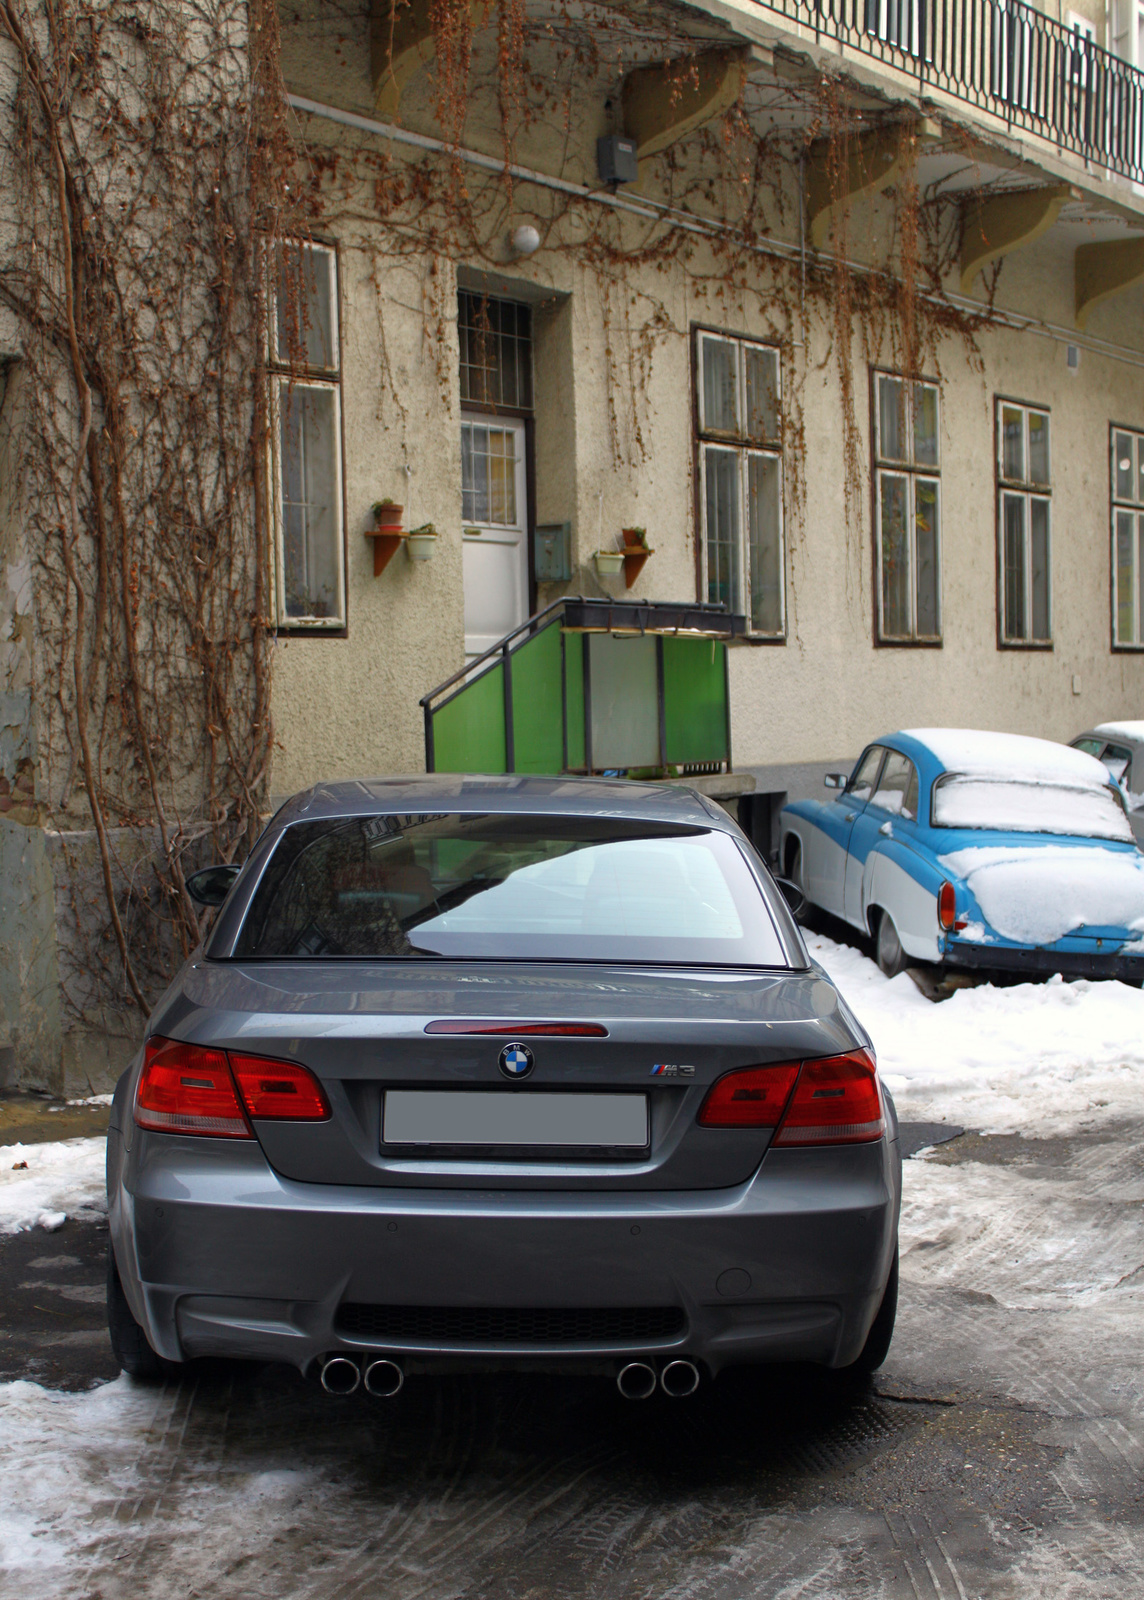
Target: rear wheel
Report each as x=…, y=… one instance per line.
x=129, y=1343
x=888, y=947
x=877, y=1346
x=792, y=871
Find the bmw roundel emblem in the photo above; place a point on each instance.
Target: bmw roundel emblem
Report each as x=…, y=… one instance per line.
x=516, y=1061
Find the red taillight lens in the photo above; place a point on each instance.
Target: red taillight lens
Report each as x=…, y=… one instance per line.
x=753, y=1097
x=946, y=905
x=836, y=1101
x=520, y=1030
x=279, y=1091
x=187, y=1088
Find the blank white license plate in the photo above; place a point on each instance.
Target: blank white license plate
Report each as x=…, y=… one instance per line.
x=464, y=1116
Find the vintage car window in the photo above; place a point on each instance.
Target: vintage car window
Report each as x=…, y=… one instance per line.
x=1118, y=760
x=1012, y=806
x=1091, y=747
x=861, y=785
x=897, y=789
x=543, y=888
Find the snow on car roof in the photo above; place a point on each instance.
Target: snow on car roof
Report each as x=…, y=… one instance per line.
x=1011, y=755
x=1123, y=730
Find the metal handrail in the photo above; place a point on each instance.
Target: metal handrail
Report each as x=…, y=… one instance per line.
x=501, y=648
x=1004, y=57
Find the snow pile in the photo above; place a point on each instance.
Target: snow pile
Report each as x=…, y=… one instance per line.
x=43, y=1184
x=1035, y=1058
x=1121, y=730
x=1016, y=806
x=1038, y=893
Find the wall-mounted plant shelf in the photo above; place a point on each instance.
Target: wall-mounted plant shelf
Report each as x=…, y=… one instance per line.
x=635, y=555
x=386, y=542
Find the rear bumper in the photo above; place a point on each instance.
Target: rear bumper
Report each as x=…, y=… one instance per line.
x=1070, y=963
x=221, y=1256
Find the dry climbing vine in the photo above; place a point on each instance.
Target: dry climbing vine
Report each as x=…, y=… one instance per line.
x=149, y=158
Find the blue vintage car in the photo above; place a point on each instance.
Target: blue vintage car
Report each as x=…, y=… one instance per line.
x=973, y=849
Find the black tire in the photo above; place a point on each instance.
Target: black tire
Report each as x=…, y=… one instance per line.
x=878, y=1340
x=888, y=947
x=793, y=873
x=129, y=1343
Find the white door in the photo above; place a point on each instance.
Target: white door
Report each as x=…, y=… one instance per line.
x=494, y=501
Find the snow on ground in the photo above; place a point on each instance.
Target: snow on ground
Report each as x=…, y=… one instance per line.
x=1035, y=1058
x=43, y=1184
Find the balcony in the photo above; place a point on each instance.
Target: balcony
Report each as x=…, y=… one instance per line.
x=593, y=686
x=1002, y=57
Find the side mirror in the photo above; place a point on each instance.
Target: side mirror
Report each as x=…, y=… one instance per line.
x=211, y=885
x=836, y=780
x=792, y=894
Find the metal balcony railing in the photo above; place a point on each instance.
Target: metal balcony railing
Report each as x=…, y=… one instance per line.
x=1003, y=57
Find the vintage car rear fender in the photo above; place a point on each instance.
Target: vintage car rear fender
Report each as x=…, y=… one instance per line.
x=904, y=882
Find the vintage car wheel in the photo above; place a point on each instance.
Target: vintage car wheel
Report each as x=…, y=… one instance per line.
x=891, y=957
x=129, y=1344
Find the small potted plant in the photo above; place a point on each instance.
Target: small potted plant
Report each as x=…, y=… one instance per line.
x=387, y=514
x=608, y=562
x=634, y=538
x=421, y=543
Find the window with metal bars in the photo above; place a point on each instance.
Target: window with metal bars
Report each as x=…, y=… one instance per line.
x=496, y=351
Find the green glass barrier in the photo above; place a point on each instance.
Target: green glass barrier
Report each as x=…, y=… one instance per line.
x=468, y=730
x=695, y=700
x=538, y=736
x=574, y=698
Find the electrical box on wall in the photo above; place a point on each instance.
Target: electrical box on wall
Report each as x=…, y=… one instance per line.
x=552, y=552
x=617, y=159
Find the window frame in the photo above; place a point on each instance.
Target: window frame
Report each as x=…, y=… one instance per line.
x=1119, y=505
x=283, y=374
x=744, y=448
x=1028, y=491
x=912, y=471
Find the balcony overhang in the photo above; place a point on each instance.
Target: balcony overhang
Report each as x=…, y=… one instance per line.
x=995, y=227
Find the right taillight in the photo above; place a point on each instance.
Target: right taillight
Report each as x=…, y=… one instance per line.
x=187, y=1088
x=837, y=1100
x=946, y=905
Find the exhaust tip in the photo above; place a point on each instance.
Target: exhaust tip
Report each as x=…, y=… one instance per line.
x=340, y=1375
x=384, y=1379
x=679, y=1378
x=636, y=1381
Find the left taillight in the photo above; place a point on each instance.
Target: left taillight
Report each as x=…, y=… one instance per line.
x=190, y=1088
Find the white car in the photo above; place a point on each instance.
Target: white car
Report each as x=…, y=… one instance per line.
x=1120, y=745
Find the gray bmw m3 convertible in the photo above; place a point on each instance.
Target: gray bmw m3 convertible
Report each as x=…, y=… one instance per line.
x=502, y=1072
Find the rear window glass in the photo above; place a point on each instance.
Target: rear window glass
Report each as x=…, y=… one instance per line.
x=1015, y=807
x=509, y=887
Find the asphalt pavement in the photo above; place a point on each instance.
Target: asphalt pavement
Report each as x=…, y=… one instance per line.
x=998, y=1453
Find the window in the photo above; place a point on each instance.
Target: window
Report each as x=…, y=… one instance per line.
x=496, y=351
x=1127, y=480
x=907, y=508
x=738, y=403
x=508, y=887
x=306, y=438
x=861, y=785
x=1023, y=468
x=897, y=789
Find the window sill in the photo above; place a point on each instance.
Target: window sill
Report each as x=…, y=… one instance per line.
x=1044, y=645
x=309, y=630
x=762, y=638
x=893, y=643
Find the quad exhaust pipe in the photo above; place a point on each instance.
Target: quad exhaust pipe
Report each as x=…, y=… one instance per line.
x=638, y=1380
x=343, y=1374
